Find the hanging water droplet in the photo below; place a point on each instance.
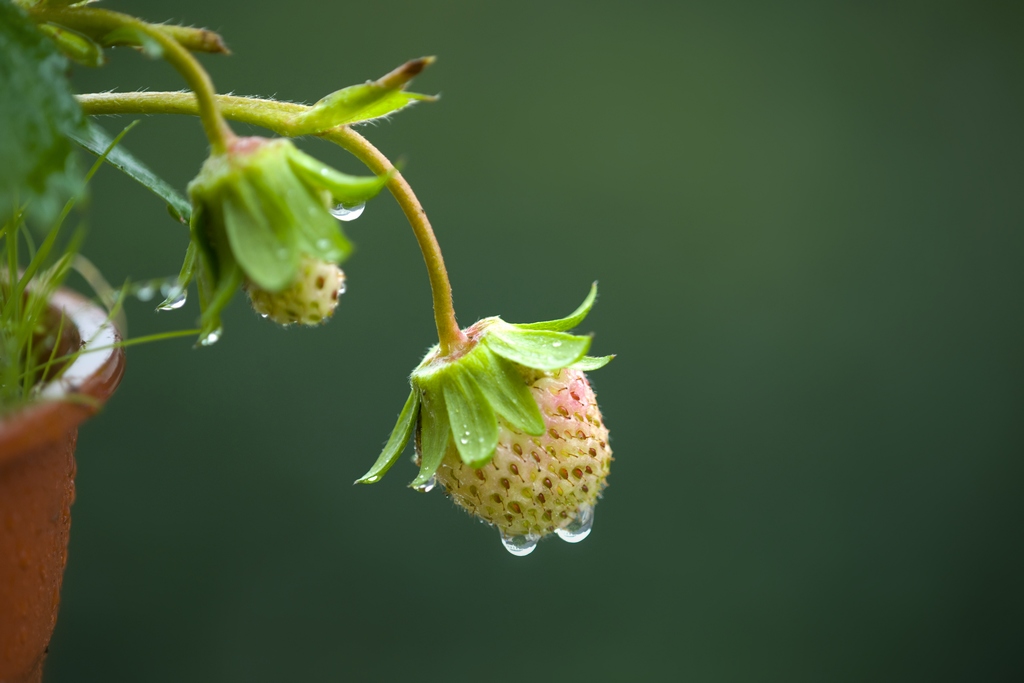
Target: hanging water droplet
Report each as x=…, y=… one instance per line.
x=341, y=288
x=580, y=527
x=212, y=338
x=556, y=344
x=175, y=300
x=428, y=486
x=145, y=292
x=521, y=545
x=348, y=213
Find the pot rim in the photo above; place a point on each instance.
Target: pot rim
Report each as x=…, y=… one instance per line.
x=95, y=373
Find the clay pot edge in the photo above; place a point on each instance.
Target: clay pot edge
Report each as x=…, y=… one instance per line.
x=95, y=373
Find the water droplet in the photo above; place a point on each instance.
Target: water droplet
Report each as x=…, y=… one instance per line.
x=341, y=288
x=464, y=441
x=427, y=487
x=323, y=243
x=175, y=300
x=323, y=171
x=556, y=344
x=579, y=528
x=348, y=213
x=521, y=545
x=145, y=292
x=212, y=338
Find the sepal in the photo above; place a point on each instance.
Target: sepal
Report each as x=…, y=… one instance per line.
x=407, y=421
x=433, y=436
x=590, y=363
x=538, y=349
x=568, y=322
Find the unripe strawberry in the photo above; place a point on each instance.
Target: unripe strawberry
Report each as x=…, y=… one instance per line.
x=261, y=217
x=309, y=300
x=536, y=485
x=509, y=425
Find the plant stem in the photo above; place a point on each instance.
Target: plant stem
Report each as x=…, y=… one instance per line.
x=278, y=117
x=101, y=23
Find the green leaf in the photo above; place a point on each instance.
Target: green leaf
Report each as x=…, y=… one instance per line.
x=473, y=422
x=567, y=323
x=226, y=287
x=265, y=248
x=366, y=102
x=506, y=391
x=434, y=437
x=590, y=363
x=535, y=348
x=345, y=189
x=396, y=443
x=188, y=269
x=93, y=138
x=37, y=112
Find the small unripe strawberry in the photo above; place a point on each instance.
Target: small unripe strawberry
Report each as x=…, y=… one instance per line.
x=261, y=217
x=510, y=427
x=536, y=485
x=309, y=300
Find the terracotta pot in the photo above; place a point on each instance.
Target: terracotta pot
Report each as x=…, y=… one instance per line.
x=37, y=487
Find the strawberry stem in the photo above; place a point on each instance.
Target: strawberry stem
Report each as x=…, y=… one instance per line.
x=278, y=117
x=101, y=23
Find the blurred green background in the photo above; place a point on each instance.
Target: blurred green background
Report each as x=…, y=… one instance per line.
x=806, y=221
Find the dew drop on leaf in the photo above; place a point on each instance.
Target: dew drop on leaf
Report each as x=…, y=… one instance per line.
x=175, y=299
x=428, y=486
x=348, y=213
x=212, y=338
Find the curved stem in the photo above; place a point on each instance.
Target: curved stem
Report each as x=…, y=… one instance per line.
x=278, y=117
x=101, y=23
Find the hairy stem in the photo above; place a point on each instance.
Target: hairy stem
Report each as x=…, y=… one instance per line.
x=100, y=24
x=279, y=117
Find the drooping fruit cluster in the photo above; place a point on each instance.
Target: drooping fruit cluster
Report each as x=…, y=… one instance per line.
x=309, y=300
x=536, y=485
x=509, y=426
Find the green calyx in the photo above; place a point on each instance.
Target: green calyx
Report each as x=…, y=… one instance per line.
x=461, y=398
x=257, y=211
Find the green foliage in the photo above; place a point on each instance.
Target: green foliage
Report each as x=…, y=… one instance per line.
x=37, y=113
